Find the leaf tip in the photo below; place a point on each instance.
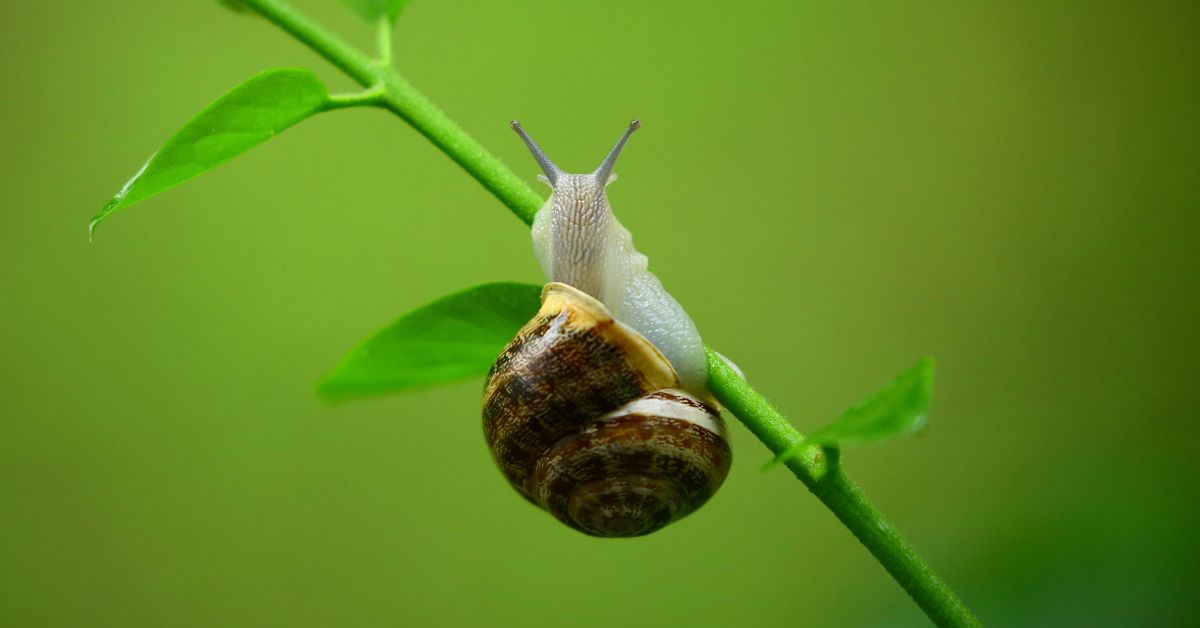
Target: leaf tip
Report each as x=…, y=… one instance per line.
x=100, y=216
x=327, y=389
x=92, y=224
x=925, y=371
x=925, y=366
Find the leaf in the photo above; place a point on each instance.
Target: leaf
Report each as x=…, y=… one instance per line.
x=895, y=410
x=247, y=115
x=454, y=338
x=374, y=10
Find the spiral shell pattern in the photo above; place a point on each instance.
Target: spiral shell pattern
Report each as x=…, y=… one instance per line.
x=585, y=418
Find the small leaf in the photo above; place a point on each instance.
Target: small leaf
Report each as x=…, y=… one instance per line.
x=896, y=410
x=454, y=338
x=374, y=10
x=247, y=115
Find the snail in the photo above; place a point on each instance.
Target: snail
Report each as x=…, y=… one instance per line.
x=597, y=410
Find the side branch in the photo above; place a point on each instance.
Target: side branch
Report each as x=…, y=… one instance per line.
x=368, y=98
x=409, y=104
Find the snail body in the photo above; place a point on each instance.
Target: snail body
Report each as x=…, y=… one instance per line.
x=596, y=411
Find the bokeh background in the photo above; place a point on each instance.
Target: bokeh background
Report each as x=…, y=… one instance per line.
x=833, y=189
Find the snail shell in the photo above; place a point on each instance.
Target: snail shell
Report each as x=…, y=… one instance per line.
x=586, y=419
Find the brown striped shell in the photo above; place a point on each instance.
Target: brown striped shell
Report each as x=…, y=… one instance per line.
x=585, y=418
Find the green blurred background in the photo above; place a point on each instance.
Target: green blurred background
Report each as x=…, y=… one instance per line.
x=832, y=190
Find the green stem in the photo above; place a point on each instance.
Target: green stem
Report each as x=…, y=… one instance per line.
x=405, y=101
x=368, y=98
x=383, y=41
x=816, y=467
x=820, y=470
x=347, y=58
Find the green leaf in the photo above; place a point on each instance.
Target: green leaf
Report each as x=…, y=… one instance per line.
x=247, y=115
x=896, y=410
x=454, y=338
x=374, y=10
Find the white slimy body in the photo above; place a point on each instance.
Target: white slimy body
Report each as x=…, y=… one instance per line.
x=578, y=241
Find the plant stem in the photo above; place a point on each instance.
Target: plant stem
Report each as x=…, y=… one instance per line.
x=383, y=41
x=818, y=468
x=341, y=54
x=367, y=98
x=405, y=101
